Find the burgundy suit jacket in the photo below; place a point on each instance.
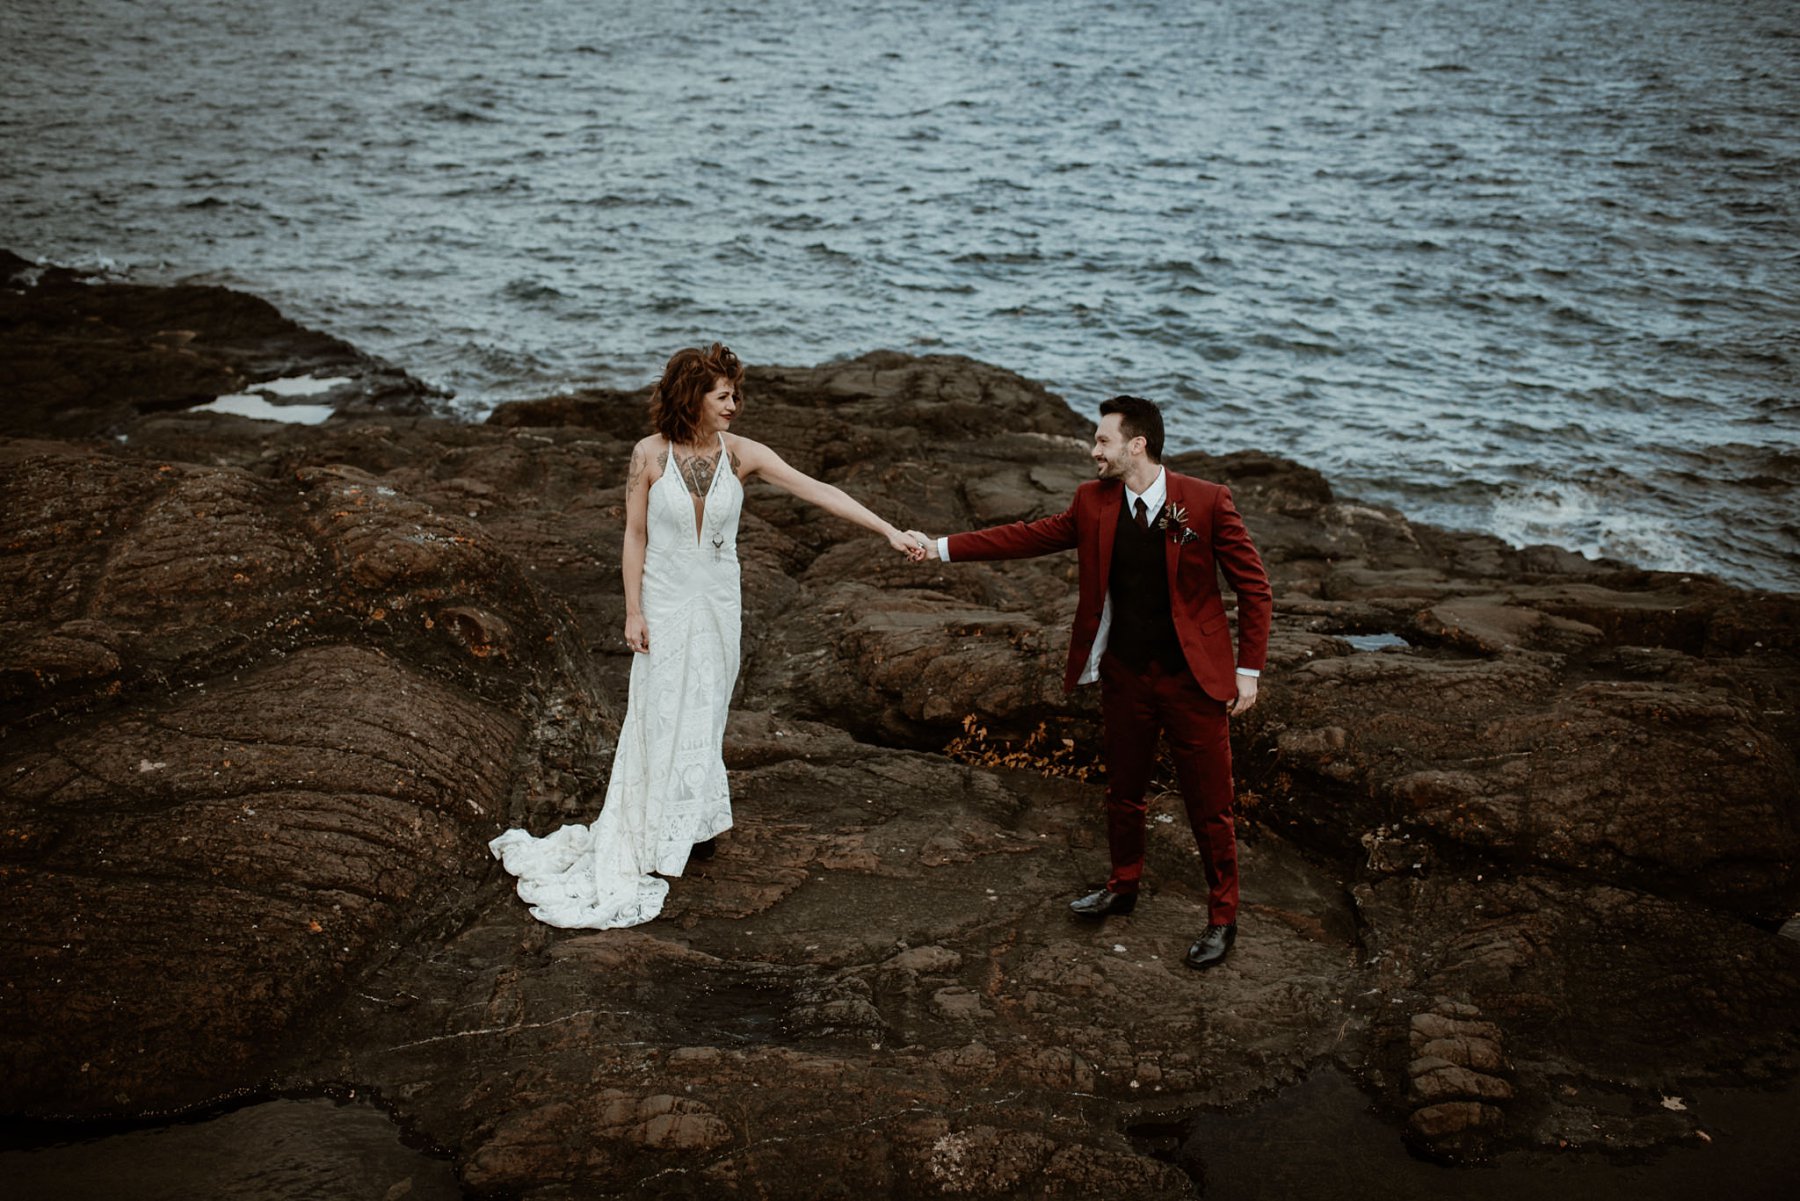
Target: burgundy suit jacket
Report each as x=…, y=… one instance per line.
x=1220, y=544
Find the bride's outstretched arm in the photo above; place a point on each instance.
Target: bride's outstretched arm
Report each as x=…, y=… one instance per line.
x=631, y=558
x=757, y=461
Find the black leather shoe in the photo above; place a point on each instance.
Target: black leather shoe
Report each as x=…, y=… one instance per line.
x=1212, y=947
x=703, y=851
x=1104, y=903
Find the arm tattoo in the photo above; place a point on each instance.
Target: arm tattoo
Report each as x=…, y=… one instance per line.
x=636, y=471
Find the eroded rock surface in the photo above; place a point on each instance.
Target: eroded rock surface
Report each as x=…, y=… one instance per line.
x=1518, y=826
x=254, y=738
x=81, y=357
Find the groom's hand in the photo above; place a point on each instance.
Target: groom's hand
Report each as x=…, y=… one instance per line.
x=925, y=541
x=1246, y=697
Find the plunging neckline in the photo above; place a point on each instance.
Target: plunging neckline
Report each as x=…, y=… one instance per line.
x=698, y=513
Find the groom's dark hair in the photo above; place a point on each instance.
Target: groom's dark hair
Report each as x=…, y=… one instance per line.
x=1138, y=418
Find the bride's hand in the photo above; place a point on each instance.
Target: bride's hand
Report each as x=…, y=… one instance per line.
x=637, y=634
x=906, y=546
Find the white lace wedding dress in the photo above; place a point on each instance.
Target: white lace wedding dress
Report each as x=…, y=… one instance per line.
x=668, y=788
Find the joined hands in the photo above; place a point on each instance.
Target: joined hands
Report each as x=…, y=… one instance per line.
x=924, y=545
x=907, y=545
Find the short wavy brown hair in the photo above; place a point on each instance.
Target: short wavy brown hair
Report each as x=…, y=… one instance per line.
x=675, y=401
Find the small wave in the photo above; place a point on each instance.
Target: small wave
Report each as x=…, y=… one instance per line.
x=737, y=253
x=917, y=284
x=501, y=365
x=1570, y=315
x=1775, y=406
x=1307, y=347
x=532, y=291
x=1766, y=483
x=1726, y=352
x=1781, y=465
x=439, y=111
x=1001, y=258
x=1592, y=520
x=495, y=187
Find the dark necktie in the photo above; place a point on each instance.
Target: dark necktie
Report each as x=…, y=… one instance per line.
x=1143, y=515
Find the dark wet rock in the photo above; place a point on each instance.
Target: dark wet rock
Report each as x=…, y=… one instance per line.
x=251, y=742
x=1457, y=1080
x=81, y=357
x=873, y=979
x=1538, y=997
x=1518, y=868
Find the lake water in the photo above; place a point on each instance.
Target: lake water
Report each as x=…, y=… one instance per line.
x=1530, y=267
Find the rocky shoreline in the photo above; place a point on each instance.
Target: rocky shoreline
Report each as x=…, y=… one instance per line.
x=1520, y=828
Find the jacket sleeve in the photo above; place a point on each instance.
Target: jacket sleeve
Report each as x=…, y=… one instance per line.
x=1017, y=540
x=1243, y=568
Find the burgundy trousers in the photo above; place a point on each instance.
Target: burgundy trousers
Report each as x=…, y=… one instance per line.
x=1135, y=708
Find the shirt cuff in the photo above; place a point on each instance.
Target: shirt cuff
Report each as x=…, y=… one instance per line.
x=1252, y=672
x=944, y=548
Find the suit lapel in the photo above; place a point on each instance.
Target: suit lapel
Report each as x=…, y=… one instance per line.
x=1111, y=498
x=1171, y=548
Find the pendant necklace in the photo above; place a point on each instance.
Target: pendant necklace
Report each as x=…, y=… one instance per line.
x=718, y=538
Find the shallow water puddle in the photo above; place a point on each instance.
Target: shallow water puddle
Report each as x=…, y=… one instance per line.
x=313, y=1149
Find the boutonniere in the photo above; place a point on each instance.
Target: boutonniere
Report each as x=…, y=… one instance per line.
x=1174, y=520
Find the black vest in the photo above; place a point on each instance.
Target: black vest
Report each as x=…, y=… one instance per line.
x=1143, y=630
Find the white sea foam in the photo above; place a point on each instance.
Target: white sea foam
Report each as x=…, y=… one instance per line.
x=1584, y=519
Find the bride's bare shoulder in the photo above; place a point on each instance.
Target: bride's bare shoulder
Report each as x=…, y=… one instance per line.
x=747, y=453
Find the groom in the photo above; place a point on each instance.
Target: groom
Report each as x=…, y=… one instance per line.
x=1150, y=626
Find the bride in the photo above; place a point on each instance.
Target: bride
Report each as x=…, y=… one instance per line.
x=668, y=790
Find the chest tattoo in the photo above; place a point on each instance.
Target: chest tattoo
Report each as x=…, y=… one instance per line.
x=697, y=471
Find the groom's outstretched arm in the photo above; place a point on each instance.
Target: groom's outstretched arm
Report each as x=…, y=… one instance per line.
x=1015, y=540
